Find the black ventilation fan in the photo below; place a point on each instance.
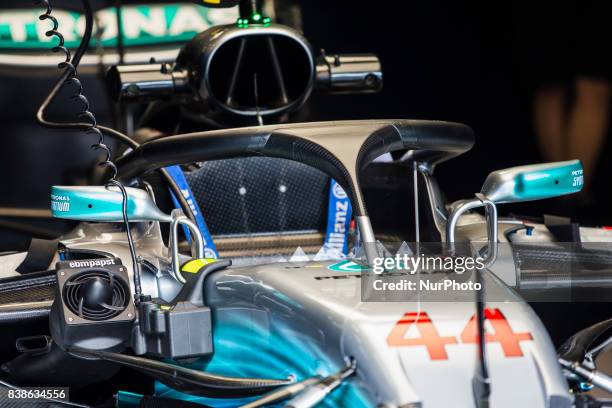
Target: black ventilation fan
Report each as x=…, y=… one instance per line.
x=93, y=306
x=96, y=294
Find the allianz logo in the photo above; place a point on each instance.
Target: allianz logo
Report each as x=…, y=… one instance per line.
x=336, y=238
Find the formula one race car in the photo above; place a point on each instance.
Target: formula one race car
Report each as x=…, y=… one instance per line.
x=288, y=330
x=138, y=288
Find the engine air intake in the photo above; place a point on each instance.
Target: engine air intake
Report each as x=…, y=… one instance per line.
x=260, y=74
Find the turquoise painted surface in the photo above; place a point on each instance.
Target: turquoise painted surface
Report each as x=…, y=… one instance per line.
x=71, y=204
x=128, y=399
x=247, y=348
x=551, y=182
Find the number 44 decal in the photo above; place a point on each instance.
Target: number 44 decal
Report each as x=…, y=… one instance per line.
x=436, y=344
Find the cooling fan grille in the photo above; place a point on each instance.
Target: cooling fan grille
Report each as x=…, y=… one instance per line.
x=96, y=295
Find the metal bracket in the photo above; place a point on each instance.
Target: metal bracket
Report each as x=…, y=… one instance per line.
x=458, y=208
x=436, y=198
x=197, y=248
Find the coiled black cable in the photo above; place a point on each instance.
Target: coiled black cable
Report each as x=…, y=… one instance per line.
x=70, y=77
x=69, y=66
x=70, y=72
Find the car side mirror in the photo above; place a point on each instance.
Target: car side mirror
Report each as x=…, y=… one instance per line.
x=103, y=203
x=516, y=184
x=533, y=182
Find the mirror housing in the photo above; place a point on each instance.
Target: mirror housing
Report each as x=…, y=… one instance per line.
x=533, y=182
x=516, y=184
x=104, y=204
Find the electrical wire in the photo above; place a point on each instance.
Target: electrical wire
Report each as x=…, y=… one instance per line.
x=70, y=71
x=70, y=77
x=135, y=263
x=70, y=65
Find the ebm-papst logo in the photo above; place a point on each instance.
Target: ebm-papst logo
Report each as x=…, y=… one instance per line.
x=90, y=263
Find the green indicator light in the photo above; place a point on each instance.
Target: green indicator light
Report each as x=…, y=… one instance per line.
x=266, y=20
x=256, y=17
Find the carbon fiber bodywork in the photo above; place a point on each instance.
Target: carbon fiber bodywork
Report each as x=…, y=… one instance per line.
x=262, y=195
x=26, y=298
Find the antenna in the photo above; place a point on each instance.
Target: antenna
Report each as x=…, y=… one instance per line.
x=415, y=181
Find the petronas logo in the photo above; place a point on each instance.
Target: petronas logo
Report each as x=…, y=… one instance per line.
x=347, y=266
x=152, y=24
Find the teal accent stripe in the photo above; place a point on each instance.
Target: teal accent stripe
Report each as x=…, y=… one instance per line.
x=20, y=29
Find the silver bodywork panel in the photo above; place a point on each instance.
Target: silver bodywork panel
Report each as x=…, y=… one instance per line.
x=330, y=301
x=307, y=303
